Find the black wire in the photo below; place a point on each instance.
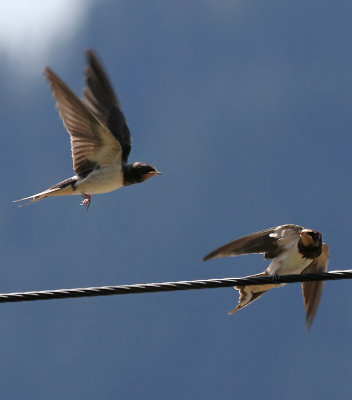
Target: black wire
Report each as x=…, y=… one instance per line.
x=171, y=286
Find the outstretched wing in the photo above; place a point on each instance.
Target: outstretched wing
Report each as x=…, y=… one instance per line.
x=92, y=143
x=266, y=242
x=312, y=291
x=101, y=100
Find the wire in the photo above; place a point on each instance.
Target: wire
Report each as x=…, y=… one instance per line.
x=171, y=286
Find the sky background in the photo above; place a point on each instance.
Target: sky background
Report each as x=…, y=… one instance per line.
x=245, y=106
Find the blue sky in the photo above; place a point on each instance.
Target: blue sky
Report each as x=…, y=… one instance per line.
x=245, y=106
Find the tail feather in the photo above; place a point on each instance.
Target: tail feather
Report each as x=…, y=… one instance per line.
x=36, y=197
x=250, y=293
x=63, y=188
x=247, y=296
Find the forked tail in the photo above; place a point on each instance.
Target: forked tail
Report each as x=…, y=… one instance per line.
x=36, y=197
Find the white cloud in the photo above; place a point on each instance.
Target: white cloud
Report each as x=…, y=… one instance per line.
x=30, y=30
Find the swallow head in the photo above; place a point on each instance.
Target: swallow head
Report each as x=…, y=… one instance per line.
x=143, y=172
x=311, y=238
x=310, y=243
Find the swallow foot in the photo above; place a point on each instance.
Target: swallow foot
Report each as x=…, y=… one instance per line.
x=274, y=276
x=87, y=199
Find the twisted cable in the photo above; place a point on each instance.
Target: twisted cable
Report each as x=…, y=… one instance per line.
x=171, y=286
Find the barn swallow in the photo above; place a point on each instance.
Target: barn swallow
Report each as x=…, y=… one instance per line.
x=100, y=138
x=293, y=250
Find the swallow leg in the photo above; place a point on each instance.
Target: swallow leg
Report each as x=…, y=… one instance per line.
x=86, y=201
x=274, y=276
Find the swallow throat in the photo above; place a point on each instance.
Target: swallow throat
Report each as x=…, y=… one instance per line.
x=312, y=251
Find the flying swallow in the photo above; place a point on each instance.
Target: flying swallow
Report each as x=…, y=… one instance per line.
x=293, y=250
x=100, y=138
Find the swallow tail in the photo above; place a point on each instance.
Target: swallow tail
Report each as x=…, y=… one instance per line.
x=36, y=197
x=63, y=188
x=248, y=294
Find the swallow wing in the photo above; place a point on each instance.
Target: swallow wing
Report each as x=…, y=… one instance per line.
x=312, y=291
x=92, y=143
x=101, y=100
x=267, y=242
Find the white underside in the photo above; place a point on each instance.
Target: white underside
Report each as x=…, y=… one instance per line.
x=290, y=262
x=102, y=180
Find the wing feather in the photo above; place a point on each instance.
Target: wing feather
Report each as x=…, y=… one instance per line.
x=101, y=100
x=312, y=291
x=266, y=242
x=92, y=143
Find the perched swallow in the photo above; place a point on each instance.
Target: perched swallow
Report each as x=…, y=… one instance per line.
x=293, y=250
x=100, y=138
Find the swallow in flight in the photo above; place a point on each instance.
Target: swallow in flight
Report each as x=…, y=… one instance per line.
x=100, y=138
x=293, y=250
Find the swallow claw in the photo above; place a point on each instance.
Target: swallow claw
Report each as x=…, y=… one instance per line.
x=274, y=276
x=87, y=199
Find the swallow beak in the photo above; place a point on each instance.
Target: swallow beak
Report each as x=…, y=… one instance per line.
x=152, y=173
